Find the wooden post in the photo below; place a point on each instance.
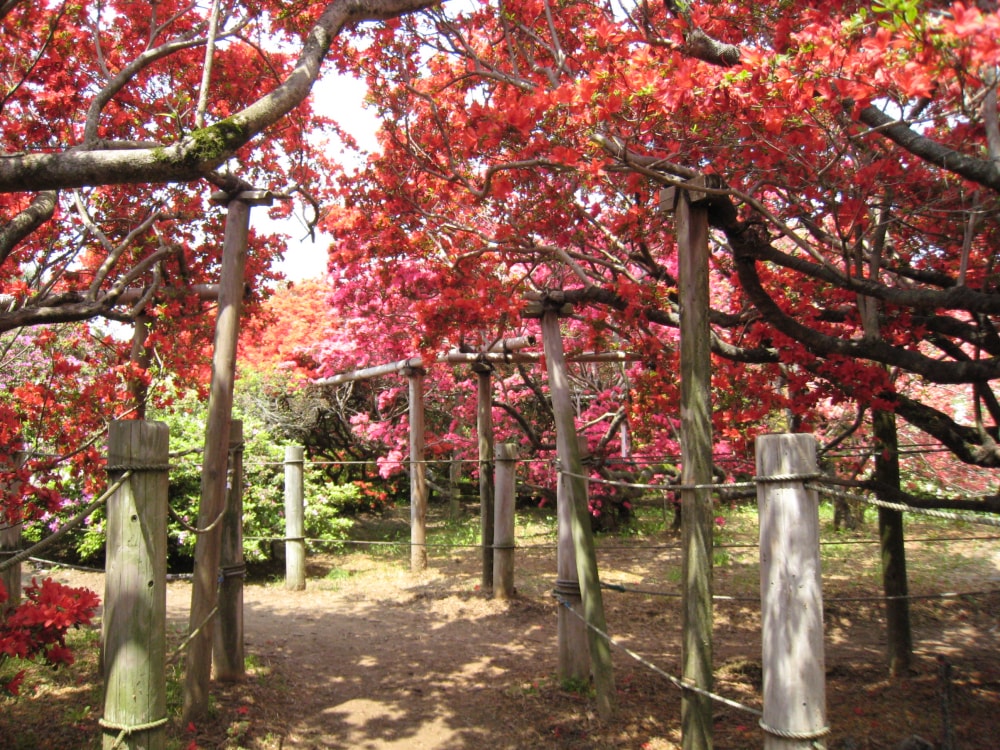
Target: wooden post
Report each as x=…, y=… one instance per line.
x=418, y=472
x=503, y=527
x=227, y=655
x=791, y=594
x=691, y=210
x=204, y=588
x=295, y=533
x=134, y=638
x=484, y=432
x=573, y=643
x=583, y=541
x=11, y=527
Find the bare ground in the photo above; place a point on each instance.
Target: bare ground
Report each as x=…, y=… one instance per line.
x=373, y=657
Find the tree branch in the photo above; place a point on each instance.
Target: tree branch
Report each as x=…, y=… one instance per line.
x=203, y=150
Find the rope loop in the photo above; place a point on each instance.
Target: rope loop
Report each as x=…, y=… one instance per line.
x=127, y=730
x=787, y=478
x=238, y=570
x=784, y=734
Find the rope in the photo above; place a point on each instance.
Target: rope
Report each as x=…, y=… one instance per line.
x=137, y=467
x=237, y=570
x=797, y=736
x=670, y=487
x=194, y=529
x=193, y=634
x=126, y=730
x=622, y=589
x=787, y=478
x=682, y=684
x=902, y=507
x=75, y=521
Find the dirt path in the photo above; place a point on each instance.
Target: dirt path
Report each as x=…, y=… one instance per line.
x=373, y=658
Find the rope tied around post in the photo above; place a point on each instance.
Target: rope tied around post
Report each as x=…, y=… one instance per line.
x=137, y=468
x=810, y=736
x=127, y=730
x=777, y=478
x=232, y=571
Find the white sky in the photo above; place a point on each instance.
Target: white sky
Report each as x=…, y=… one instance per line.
x=340, y=98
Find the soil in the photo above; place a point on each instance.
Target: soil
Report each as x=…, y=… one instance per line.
x=373, y=657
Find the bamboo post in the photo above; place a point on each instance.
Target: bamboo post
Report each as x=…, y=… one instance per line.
x=204, y=587
x=227, y=655
x=484, y=432
x=11, y=527
x=691, y=211
x=418, y=471
x=134, y=640
x=295, y=533
x=503, y=527
x=791, y=594
x=454, y=487
x=573, y=644
x=571, y=466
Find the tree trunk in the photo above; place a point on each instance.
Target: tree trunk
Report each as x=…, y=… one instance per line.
x=583, y=541
x=890, y=528
x=204, y=590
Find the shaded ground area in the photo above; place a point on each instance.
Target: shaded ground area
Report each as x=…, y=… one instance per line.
x=372, y=657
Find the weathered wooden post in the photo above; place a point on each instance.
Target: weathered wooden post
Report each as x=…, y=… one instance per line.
x=134, y=641
x=691, y=210
x=418, y=471
x=791, y=594
x=11, y=527
x=204, y=587
x=571, y=468
x=227, y=655
x=295, y=533
x=503, y=527
x=573, y=645
x=484, y=432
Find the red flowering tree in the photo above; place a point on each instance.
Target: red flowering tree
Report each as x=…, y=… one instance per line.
x=854, y=150
x=118, y=122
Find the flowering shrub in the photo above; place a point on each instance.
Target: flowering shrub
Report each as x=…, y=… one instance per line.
x=37, y=628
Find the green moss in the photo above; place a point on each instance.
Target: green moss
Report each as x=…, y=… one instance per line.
x=216, y=141
x=212, y=143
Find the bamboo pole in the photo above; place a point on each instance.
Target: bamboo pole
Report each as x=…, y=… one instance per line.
x=227, y=655
x=503, y=526
x=484, y=434
x=134, y=637
x=583, y=541
x=418, y=472
x=295, y=542
x=691, y=211
x=573, y=643
x=791, y=594
x=457, y=357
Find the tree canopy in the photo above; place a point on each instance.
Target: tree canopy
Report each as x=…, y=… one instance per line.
x=854, y=152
